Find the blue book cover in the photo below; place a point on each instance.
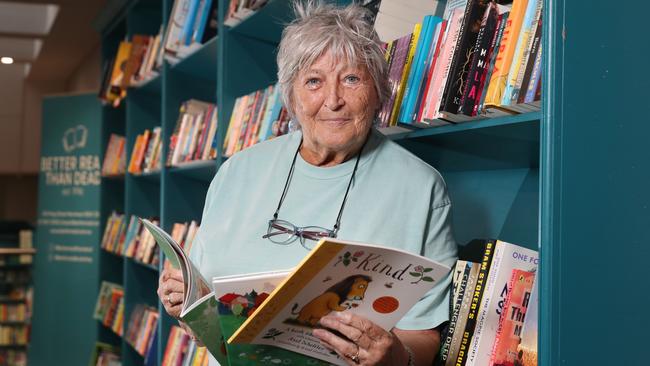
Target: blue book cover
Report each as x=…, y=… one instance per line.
x=418, y=69
x=202, y=21
x=188, y=27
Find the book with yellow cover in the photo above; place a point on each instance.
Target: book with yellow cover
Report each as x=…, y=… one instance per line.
x=405, y=73
x=505, y=54
x=378, y=283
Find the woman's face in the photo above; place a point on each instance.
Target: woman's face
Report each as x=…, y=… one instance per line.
x=335, y=103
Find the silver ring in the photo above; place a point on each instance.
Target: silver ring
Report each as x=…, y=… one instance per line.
x=169, y=299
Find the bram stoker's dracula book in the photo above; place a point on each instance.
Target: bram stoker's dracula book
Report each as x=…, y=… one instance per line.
x=378, y=283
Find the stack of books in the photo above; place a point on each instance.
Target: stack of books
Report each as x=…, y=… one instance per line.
x=142, y=330
x=109, y=309
x=115, y=156
x=129, y=239
x=450, y=69
x=134, y=64
x=252, y=119
x=182, y=350
x=194, y=137
x=490, y=297
x=191, y=24
x=145, y=156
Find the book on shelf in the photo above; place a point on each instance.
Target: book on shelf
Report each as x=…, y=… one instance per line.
x=145, y=156
x=379, y=283
x=240, y=10
x=105, y=354
x=142, y=329
x=508, y=336
x=528, y=344
x=252, y=119
x=114, y=157
x=182, y=350
x=191, y=23
x=199, y=311
x=109, y=308
x=194, y=134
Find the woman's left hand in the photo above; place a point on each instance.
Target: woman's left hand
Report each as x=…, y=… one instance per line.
x=366, y=343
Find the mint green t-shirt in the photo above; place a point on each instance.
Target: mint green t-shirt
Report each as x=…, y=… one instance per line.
x=396, y=200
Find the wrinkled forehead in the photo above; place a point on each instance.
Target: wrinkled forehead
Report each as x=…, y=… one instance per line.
x=331, y=54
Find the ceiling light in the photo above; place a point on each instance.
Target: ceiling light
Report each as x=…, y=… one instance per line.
x=7, y=60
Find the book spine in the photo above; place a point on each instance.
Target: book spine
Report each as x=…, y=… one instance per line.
x=535, y=78
x=487, y=73
x=422, y=98
x=415, y=73
x=522, y=51
x=506, y=258
x=397, y=106
x=462, y=273
x=534, y=50
x=463, y=313
x=455, y=85
x=441, y=73
x=507, y=47
x=480, y=57
x=390, y=51
x=476, y=302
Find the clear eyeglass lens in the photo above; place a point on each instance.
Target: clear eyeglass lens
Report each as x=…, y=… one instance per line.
x=281, y=232
x=310, y=235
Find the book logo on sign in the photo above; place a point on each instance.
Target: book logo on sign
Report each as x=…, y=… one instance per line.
x=75, y=138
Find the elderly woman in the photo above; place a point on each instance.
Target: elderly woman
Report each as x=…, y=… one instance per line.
x=336, y=174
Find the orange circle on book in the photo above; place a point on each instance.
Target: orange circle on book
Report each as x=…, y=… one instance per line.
x=385, y=304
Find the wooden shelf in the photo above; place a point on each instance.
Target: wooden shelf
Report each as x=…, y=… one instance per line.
x=10, y=251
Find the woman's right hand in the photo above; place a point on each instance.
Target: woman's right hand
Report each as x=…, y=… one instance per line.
x=170, y=291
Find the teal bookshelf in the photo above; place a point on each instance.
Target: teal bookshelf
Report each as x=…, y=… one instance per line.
x=565, y=180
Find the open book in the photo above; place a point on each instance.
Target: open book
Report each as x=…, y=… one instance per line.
x=199, y=311
x=378, y=283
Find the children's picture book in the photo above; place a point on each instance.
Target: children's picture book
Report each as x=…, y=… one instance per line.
x=239, y=296
x=378, y=283
x=199, y=311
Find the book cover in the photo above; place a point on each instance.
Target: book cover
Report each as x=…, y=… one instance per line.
x=401, y=86
x=399, y=54
x=508, y=336
x=379, y=283
x=504, y=13
x=534, y=50
x=507, y=257
x=462, y=313
x=426, y=83
x=460, y=286
x=239, y=296
x=199, y=310
x=527, y=350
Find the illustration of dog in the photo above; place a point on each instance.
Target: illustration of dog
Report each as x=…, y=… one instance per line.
x=349, y=289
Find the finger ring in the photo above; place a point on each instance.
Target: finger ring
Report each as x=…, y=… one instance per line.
x=355, y=357
x=169, y=300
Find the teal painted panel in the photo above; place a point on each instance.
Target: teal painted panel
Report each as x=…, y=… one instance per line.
x=596, y=204
x=68, y=233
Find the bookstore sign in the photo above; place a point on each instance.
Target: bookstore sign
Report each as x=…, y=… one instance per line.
x=68, y=230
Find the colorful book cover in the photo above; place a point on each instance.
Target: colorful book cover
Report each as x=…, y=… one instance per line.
x=522, y=51
x=520, y=286
x=397, y=105
x=379, y=283
x=506, y=53
x=534, y=50
x=238, y=297
x=527, y=350
x=504, y=13
x=441, y=32
x=419, y=67
x=507, y=257
x=441, y=72
x=399, y=53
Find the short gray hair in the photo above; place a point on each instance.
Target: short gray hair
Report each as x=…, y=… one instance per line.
x=319, y=28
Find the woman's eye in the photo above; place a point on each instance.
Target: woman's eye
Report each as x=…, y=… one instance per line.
x=352, y=79
x=312, y=82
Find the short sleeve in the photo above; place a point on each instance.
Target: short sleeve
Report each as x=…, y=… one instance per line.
x=209, y=209
x=439, y=245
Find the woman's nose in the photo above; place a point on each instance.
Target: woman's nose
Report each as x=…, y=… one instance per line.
x=334, y=99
